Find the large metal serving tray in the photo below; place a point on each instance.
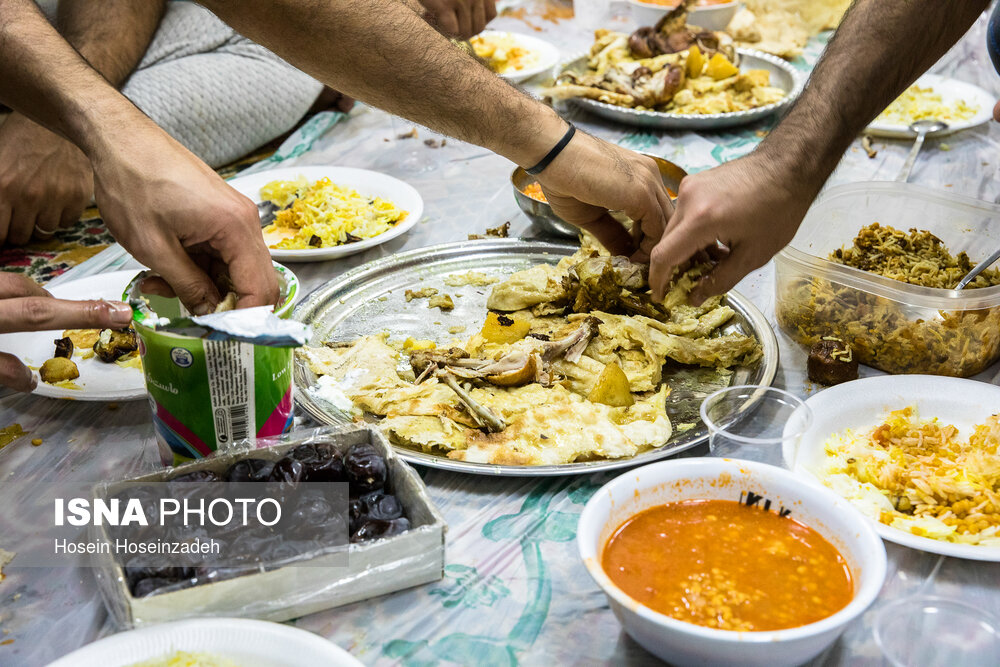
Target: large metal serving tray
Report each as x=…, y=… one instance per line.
x=370, y=299
x=783, y=76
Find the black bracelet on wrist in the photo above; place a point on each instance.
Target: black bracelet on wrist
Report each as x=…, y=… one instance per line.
x=556, y=150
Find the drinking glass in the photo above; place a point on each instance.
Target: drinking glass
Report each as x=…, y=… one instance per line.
x=755, y=423
x=921, y=630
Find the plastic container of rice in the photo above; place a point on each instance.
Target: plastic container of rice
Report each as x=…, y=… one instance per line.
x=894, y=326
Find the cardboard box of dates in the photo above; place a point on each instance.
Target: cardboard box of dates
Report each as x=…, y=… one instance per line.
x=401, y=547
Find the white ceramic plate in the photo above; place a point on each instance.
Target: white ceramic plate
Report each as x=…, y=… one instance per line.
x=98, y=381
x=245, y=642
x=863, y=403
x=950, y=90
x=367, y=183
x=548, y=55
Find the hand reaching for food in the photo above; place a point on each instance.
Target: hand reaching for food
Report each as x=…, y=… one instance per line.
x=182, y=220
x=25, y=306
x=591, y=177
x=751, y=207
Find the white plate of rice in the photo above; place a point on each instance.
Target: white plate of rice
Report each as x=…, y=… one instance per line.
x=211, y=642
x=962, y=105
x=838, y=445
x=515, y=57
x=352, y=206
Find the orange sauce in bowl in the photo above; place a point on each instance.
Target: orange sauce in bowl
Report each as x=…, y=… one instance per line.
x=725, y=565
x=534, y=191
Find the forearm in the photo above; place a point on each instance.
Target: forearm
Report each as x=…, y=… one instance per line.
x=398, y=63
x=42, y=77
x=880, y=48
x=112, y=35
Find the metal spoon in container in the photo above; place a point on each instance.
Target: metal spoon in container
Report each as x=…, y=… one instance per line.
x=977, y=269
x=921, y=128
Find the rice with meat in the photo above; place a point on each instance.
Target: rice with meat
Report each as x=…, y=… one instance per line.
x=884, y=332
x=916, y=257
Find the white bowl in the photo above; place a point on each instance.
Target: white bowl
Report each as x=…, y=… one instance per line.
x=682, y=643
x=710, y=17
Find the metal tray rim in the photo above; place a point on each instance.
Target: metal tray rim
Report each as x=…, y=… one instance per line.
x=303, y=311
x=668, y=120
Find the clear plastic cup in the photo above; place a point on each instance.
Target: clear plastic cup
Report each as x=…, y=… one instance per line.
x=755, y=423
x=928, y=630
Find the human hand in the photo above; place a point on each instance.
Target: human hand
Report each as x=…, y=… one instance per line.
x=591, y=177
x=459, y=18
x=45, y=181
x=177, y=216
x=752, y=206
x=25, y=306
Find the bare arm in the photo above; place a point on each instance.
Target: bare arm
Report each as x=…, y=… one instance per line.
x=111, y=35
x=879, y=50
x=755, y=204
x=402, y=65
x=163, y=204
x=45, y=181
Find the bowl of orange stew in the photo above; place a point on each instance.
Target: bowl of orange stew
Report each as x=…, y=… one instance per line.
x=720, y=561
x=531, y=199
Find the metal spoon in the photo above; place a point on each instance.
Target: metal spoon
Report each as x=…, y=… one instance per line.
x=266, y=211
x=921, y=128
x=977, y=269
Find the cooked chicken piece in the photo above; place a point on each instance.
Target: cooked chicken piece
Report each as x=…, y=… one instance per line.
x=113, y=344
x=483, y=415
x=64, y=347
x=566, y=91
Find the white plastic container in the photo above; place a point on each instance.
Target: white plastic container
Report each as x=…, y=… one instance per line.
x=893, y=326
x=682, y=643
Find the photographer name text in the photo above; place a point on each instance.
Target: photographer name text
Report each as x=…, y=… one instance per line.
x=122, y=546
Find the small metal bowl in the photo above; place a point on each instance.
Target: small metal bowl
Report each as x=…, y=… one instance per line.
x=547, y=222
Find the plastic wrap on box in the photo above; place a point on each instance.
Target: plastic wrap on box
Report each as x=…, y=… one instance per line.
x=373, y=568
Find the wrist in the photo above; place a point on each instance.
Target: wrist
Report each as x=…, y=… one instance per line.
x=795, y=165
x=542, y=136
x=105, y=127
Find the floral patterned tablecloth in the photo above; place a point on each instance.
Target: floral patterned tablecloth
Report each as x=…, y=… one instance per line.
x=514, y=590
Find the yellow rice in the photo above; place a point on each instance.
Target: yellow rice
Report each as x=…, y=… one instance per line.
x=322, y=214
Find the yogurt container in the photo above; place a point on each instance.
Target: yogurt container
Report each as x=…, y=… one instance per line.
x=210, y=390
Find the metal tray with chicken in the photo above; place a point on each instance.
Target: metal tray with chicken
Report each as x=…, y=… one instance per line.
x=522, y=357
x=675, y=75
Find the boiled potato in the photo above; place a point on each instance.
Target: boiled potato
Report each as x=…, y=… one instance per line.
x=612, y=388
x=720, y=68
x=412, y=343
x=58, y=369
x=500, y=328
x=695, y=62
